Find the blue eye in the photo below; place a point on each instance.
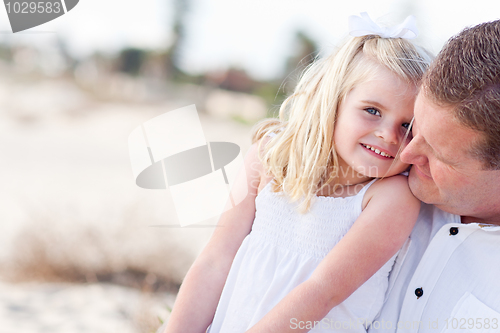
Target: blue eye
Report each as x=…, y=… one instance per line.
x=373, y=111
x=407, y=126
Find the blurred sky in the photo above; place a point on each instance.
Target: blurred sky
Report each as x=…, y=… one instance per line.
x=256, y=35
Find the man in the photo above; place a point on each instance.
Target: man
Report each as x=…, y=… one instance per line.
x=447, y=277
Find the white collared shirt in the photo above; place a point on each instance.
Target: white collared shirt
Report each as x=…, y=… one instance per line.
x=445, y=279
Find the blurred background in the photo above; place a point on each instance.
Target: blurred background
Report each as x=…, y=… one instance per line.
x=82, y=248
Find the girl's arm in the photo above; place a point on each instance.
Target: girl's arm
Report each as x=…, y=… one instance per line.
x=200, y=291
x=378, y=233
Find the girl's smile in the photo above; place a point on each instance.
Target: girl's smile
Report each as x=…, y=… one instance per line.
x=378, y=151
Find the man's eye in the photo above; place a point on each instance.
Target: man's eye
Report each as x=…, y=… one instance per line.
x=373, y=111
x=408, y=131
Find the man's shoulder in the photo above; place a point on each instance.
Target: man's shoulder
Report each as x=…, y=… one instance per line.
x=430, y=220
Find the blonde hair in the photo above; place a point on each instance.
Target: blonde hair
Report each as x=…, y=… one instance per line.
x=301, y=157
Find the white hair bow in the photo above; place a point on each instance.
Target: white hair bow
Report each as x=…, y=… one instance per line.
x=364, y=25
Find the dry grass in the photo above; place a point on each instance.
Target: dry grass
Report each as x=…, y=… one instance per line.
x=52, y=249
x=128, y=252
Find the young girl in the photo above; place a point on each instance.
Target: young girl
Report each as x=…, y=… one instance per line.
x=312, y=244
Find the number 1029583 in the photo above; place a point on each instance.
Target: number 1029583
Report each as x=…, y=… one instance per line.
x=472, y=323
x=33, y=7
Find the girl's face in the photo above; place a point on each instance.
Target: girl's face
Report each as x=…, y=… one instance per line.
x=371, y=125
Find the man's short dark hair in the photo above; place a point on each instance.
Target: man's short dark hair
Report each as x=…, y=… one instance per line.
x=466, y=77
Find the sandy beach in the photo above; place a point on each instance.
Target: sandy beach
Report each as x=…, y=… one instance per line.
x=74, y=308
x=83, y=249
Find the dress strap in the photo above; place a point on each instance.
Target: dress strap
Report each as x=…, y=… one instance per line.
x=358, y=198
x=361, y=193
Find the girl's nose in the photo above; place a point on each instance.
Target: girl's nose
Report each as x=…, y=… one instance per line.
x=389, y=134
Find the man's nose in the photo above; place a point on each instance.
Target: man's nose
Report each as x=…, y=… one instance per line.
x=412, y=153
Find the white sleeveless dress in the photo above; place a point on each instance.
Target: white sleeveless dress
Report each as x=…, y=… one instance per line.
x=282, y=250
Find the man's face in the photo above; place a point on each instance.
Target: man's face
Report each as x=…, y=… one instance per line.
x=444, y=172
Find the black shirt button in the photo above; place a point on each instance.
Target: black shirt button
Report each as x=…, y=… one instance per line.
x=419, y=292
x=453, y=231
